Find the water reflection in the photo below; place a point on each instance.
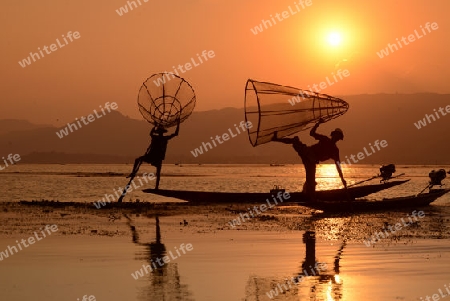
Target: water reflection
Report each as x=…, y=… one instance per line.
x=163, y=281
x=314, y=280
x=327, y=284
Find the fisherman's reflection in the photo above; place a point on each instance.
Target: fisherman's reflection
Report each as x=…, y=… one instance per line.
x=164, y=277
x=328, y=284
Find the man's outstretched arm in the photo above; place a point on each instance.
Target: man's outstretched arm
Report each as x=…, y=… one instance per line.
x=341, y=175
x=176, y=131
x=313, y=130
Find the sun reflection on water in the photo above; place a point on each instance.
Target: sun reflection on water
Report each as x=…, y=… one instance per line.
x=329, y=291
x=327, y=177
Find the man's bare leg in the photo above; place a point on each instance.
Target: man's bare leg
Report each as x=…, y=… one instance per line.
x=158, y=175
x=310, y=185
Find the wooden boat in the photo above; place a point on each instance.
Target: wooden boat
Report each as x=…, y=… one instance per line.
x=413, y=201
x=254, y=197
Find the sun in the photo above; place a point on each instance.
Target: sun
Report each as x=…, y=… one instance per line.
x=334, y=39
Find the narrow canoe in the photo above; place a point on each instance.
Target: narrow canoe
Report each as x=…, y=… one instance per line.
x=413, y=201
x=252, y=197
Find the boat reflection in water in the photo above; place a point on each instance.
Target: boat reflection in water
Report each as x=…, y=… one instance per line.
x=164, y=281
x=314, y=281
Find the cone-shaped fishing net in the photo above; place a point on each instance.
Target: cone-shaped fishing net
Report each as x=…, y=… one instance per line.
x=165, y=98
x=287, y=110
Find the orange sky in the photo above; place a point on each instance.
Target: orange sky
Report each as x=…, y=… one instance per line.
x=115, y=54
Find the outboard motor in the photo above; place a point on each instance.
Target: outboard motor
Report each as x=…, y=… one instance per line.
x=436, y=177
x=386, y=171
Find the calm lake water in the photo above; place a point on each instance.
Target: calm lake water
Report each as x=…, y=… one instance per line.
x=90, y=182
x=251, y=262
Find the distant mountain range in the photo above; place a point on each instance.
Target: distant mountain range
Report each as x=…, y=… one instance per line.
x=115, y=138
x=12, y=125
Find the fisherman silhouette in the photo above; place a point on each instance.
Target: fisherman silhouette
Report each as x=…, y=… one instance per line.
x=311, y=155
x=156, y=152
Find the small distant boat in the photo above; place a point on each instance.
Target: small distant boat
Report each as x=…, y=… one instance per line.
x=252, y=197
x=276, y=189
x=276, y=164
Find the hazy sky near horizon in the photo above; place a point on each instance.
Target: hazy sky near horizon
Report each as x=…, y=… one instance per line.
x=115, y=54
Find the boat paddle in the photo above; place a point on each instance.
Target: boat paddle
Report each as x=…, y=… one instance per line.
x=360, y=182
x=129, y=184
x=428, y=187
x=374, y=177
x=125, y=190
x=402, y=174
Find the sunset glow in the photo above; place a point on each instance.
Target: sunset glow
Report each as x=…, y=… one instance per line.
x=225, y=150
x=334, y=39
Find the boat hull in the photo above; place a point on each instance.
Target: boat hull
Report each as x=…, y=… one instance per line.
x=245, y=197
x=361, y=205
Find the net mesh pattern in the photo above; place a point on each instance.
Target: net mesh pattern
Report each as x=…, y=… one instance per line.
x=286, y=110
x=165, y=98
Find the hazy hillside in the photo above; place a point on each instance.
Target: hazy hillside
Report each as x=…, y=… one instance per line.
x=11, y=125
x=371, y=117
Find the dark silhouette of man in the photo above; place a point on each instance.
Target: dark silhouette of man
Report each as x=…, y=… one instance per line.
x=311, y=155
x=156, y=152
